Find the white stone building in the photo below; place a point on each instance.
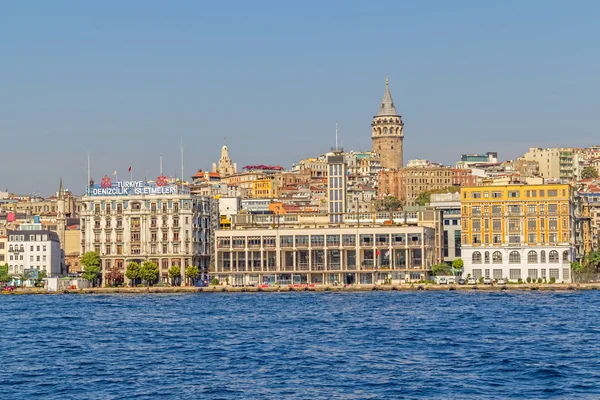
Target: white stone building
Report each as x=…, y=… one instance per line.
x=139, y=221
x=30, y=250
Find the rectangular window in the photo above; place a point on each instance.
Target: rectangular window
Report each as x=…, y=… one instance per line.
x=553, y=237
x=477, y=274
x=514, y=238
x=497, y=239
x=531, y=238
x=514, y=274
x=476, y=225
x=476, y=210
x=553, y=224
x=514, y=224
x=496, y=210
x=532, y=273
x=552, y=193
x=542, y=193
x=552, y=208
x=531, y=224
x=476, y=195
x=497, y=273
x=531, y=209
x=496, y=195
x=554, y=272
x=565, y=274
x=514, y=209
x=476, y=238
x=496, y=225
x=514, y=194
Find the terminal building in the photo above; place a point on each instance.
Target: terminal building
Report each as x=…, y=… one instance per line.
x=308, y=249
x=141, y=221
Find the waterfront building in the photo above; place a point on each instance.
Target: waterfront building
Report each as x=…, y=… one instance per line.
x=516, y=231
x=298, y=249
x=32, y=251
x=137, y=221
x=388, y=132
x=449, y=206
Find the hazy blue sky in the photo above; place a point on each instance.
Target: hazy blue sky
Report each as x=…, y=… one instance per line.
x=127, y=79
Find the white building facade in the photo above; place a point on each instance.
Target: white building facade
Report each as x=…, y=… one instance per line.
x=33, y=250
x=140, y=221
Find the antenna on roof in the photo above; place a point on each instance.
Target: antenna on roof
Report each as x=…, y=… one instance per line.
x=181, y=147
x=336, y=136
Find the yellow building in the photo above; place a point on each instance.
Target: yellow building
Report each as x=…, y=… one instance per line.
x=518, y=231
x=263, y=189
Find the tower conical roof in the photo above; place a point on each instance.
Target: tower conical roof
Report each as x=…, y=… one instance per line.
x=61, y=192
x=387, y=103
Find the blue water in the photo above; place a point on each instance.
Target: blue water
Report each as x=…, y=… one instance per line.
x=392, y=345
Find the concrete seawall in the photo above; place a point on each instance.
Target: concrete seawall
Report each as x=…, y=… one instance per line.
x=320, y=288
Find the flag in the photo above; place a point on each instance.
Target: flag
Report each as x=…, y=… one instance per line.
x=378, y=253
x=387, y=254
x=129, y=169
x=114, y=173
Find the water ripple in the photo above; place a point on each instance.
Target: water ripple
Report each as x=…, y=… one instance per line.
x=373, y=345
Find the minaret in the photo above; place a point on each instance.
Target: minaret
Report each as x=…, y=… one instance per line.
x=388, y=132
x=61, y=222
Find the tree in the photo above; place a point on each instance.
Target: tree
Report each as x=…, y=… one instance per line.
x=174, y=274
x=149, y=272
x=132, y=272
x=390, y=203
x=458, y=265
x=91, y=266
x=192, y=273
x=440, y=270
x=115, y=276
x=589, y=172
x=39, y=282
x=577, y=267
x=424, y=198
x=4, y=276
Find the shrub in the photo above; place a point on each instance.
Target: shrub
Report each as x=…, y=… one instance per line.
x=481, y=280
x=214, y=281
x=552, y=280
x=520, y=280
x=528, y=279
x=539, y=280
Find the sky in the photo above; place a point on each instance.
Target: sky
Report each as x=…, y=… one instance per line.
x=128, y=80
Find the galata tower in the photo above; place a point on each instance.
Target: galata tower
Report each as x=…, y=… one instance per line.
x=387, y=132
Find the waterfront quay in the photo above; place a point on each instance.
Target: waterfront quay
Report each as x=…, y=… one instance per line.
x=314, y=288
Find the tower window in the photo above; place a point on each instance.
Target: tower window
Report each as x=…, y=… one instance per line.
x=379, y=147
x=392, y=147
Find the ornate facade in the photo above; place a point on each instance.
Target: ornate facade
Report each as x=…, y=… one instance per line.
x=225, y=167
x=388, y=132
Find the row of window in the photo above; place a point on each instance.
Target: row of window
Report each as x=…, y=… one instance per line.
x=319, y=240
x=515, y=209
x=32, y=238
x=514, y=224
x=532, y=238
x=513, y=194
x=21, y=248
x=516, y=274
x=514, y=257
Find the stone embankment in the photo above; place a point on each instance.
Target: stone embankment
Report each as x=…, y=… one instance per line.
x=316, y=288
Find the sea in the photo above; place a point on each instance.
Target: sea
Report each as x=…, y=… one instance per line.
x=302, y=345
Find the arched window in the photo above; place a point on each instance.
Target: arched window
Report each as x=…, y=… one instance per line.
x=385, y=131
x=553, y=256
x=497, y=257
x=565, y=256
x=487, y=257
x=514, y=257
x=543, y=256
x=532, y=257
x=476, y=257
